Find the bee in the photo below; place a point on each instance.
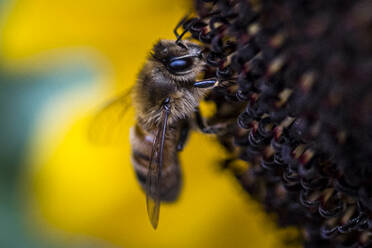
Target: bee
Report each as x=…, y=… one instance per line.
x=165, y=97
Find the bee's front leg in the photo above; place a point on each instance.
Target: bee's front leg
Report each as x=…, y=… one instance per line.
x=203, y=127
x=184, y=134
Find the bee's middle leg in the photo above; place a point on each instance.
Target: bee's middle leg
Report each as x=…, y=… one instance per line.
x=185, y=129
x=203, y=127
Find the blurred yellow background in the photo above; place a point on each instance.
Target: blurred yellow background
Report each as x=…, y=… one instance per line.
x=74, y=190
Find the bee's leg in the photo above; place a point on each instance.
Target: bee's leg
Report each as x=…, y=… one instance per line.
x=204, y=128
x=185, y=128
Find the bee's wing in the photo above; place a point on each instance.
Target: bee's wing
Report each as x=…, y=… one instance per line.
x=154, y=171
x=111, y=122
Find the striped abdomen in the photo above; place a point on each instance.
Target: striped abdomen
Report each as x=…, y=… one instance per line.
x=170, y=181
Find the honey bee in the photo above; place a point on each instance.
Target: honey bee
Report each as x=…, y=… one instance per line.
x=165, y=97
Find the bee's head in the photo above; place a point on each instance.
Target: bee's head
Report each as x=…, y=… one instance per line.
x=181, y=63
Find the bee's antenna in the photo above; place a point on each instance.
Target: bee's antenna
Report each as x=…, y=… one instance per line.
x=179, y=24
x=179, y=43
x=186, y=23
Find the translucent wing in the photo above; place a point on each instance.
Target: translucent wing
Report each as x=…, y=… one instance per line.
x=111, y=122
x=154, y=170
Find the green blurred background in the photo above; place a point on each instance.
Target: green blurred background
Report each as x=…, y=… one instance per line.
x=59, y=61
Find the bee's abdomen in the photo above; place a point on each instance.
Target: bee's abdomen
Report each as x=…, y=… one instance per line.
x=170, y=181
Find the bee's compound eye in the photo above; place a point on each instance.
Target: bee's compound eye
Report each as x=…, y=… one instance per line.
x=180, y=65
